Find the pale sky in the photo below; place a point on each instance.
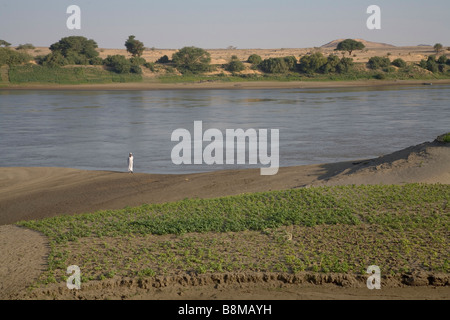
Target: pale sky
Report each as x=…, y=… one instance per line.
x=218, y=24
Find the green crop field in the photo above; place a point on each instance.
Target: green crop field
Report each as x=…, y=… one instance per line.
x=340, y=229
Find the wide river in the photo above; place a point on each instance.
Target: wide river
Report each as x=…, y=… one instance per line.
x=96, y=130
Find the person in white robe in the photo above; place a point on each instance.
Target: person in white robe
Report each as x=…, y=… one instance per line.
x=130, y=163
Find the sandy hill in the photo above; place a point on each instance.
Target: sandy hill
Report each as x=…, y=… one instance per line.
x=333, y=44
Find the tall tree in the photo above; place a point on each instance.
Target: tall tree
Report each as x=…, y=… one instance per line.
x=438, y=47
x=349, y=45
x=192, y=59
x=75, y=45
x=4, y=43
x=135, y=47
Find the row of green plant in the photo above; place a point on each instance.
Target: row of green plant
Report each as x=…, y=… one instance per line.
x=327, y=229
x=77, y=50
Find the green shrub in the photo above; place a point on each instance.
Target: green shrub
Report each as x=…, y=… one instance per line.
x=235, y=66
x=442, y=59
x=378, y=63
x=274, y=65
x=291, y=62
x=76, y=49
x=400, y=63
x=254, y=59
x=136, y=69
x=380, y=76
x=345, y=65
x=97, y=61
x=431, y=64
x=330, y=66
x=163, y=59
x=11, y=57
x=118, y=63
x=76, y=58
x=312, y=63
x=423, y=64
x=389, y=69
x=54, y=59
x=192, y=60
x=446, y=138
x=137, y=61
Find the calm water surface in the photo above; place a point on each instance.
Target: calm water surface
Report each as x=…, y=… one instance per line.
x=96, y=130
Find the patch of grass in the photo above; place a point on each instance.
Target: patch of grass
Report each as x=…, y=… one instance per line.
x=446, y=138
x=323, y=229
x=67, y=75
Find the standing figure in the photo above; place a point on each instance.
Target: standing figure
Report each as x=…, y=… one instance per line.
x=130, y=163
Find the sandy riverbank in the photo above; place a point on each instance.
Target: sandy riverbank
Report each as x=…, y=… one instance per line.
x=35, y=193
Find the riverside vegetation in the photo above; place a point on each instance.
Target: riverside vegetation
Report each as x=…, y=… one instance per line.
x=342, y=229
x=75, y=60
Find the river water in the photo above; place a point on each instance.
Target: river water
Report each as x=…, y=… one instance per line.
x=96, y=130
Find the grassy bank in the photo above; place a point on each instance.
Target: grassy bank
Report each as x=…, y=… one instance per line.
x=67, y=75
x=323, y=229
x=36, y=74
x=411, y=73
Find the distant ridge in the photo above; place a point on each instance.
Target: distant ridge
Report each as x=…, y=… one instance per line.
x=333, y=44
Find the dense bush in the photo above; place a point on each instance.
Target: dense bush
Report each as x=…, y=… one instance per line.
x=235, y=65
x=55, y=59
x=120, y=64
x=336, y=65
x=254, y=59
x=291, y=62
x=274, y=65
x=312, y=63
x=77, y=58
x=380, y=76
x=163, y=59
x=400, y=63
x=97, y=61
x=137, y=61
x=345, y=65
x=11, y=57
x=433, y=65
x=423, y=64
x=330, y=66
x=442, y=59
x=75, y=45
x=134, y=68
x=192, y=60
x=378, y=62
